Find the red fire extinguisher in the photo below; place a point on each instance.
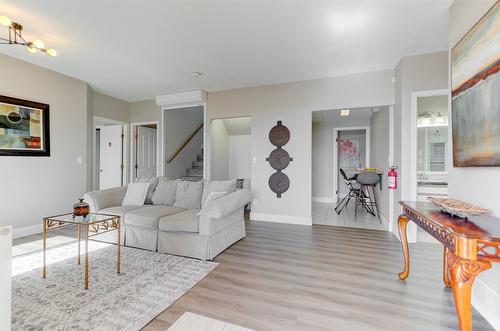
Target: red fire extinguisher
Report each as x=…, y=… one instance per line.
x=392, y=178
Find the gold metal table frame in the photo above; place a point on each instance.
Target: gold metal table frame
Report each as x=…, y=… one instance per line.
x=93, y=223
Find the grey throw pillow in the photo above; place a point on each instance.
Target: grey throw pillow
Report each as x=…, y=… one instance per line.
x=165, y=192
x=189, y=194
x=153, y=181
x=228, y=186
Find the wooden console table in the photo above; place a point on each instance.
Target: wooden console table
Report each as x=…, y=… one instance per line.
x=469, y=248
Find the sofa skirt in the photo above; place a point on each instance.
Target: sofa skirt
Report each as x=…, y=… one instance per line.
x=200, y=247
x=141, y=238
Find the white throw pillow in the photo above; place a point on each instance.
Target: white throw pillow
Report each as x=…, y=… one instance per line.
x=212, y=197
x=136, y=194
x=153, y=181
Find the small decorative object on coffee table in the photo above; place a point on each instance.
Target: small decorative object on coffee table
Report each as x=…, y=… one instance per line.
x=81, y=208
x=458, y=208
x=93, y=224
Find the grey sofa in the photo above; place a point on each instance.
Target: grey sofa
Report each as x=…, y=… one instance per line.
x=171, y=229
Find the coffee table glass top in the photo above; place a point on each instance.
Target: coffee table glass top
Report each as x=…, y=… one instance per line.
x=91, y=218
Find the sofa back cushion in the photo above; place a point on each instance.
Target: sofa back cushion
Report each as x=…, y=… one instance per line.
x=165, y=191
x=228, y=186
x=188, y=194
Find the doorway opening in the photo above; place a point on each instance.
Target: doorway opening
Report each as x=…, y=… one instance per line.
x=109, y=153
x=144, y=150
x=429, y=149
x=345, y=144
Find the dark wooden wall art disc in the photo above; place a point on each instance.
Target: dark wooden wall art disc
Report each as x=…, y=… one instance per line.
x=279, y=135
x=279, y=183
x=279, y=159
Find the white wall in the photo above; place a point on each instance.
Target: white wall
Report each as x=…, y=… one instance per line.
x=476, y=185
x=34, y=187
x=179, y=125
x=240, y=156
x=413, y=73
x=293, y=103
x=219, y=149
x=379, y=155
x=109, y=107
x=322, y=156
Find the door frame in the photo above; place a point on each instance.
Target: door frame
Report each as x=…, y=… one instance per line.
x=125, y=160
x=159, y=147
x=335, y=153
x=414, y=134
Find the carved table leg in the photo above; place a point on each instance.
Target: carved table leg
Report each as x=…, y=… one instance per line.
x=446, y=269
x=462, y=275
x=402, y=222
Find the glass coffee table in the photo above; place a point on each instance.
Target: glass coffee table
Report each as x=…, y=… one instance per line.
x=93, y=224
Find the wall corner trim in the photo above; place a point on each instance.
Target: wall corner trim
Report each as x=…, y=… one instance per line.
x=281, y=219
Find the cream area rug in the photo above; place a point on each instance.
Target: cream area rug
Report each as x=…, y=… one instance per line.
x=149, y=282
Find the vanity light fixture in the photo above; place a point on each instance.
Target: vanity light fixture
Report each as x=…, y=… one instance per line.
x=15, y=38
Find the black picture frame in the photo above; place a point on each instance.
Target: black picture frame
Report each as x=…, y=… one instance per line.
x=45, y=111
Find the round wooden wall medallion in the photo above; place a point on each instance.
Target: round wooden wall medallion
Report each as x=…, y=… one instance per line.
x=279, y=183
x=279, y=135
x=279, y=159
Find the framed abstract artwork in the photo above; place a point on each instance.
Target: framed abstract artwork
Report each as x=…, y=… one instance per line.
x=24, y=128
x=475, y=94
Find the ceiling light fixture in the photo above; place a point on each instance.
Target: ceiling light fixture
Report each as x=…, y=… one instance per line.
x=344, y=112
x=15, y=38
x=196, y=74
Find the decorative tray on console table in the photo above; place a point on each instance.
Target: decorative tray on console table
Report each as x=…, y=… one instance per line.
x=458, y=208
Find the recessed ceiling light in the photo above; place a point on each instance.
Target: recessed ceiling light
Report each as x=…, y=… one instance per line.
x=196, y=74
x=347, y=21
x=344, y=112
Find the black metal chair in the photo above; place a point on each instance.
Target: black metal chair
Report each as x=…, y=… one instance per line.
x=353, y=191
x=366, y=193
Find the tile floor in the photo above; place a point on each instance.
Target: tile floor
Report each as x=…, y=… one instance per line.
x=324, y=213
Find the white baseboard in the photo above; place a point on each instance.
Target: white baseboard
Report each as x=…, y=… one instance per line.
x=26, y=231
x=281, y=218
x=322, y=199
x=487, y=302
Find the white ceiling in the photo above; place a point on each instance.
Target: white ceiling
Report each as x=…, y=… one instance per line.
x=135, y=50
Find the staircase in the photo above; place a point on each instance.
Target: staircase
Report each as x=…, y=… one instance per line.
x=195, y=173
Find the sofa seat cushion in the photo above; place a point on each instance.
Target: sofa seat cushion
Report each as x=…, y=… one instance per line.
x=148, y=217
x=186, y=221
x=118, y=210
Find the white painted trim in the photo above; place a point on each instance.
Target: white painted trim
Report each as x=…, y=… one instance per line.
x=281, y=218
x=414, y=137
x=159, y=147
x=125, y=126
x=26, y=231
x=335, y=152
x=487, y=302
x=391, y=163
x=322, y=199
x=182, y=99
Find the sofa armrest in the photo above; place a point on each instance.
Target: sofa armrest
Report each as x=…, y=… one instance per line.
x=227, y=204
x=101, y=199
x=223, y=212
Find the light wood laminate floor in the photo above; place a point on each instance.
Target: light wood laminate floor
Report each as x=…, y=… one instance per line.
x=293, y=277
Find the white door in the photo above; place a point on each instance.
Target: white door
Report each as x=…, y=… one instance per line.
x=145, y=152
x=110, y=156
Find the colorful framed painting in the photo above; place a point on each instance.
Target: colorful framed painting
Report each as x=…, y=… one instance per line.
x=475, y=94
x=24, y=128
